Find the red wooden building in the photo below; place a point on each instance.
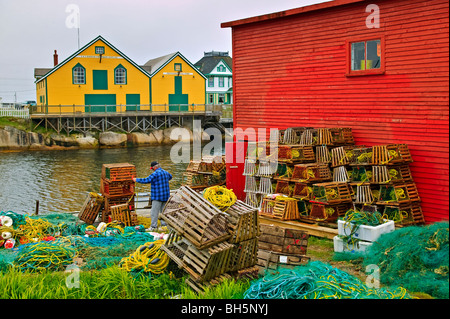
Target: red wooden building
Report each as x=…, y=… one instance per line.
x=378, y=66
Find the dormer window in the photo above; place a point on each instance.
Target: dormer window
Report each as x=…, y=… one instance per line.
x=100, y=50
x=221, y=68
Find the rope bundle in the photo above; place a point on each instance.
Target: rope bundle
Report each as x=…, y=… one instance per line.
x=147, y=258
x=317, y=280
x=220, y=196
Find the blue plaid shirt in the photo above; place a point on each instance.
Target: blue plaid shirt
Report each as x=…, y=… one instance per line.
x=160, y=184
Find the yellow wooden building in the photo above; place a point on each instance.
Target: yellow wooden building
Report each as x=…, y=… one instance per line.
x=99, y=77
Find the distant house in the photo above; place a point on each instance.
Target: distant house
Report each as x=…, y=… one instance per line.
x=176, y=82
x=98, y=78
x=217, y=66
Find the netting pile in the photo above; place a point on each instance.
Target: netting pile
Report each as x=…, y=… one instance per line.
x=317, y=280
x=53, y=241
x=415, y=257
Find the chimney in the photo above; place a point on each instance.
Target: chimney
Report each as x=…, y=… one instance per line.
x=55, y=59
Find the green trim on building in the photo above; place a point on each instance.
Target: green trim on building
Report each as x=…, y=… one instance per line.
x=133, y=102
x=120, y=66
x=78, y=65
x=178, y=97
x=99, y=102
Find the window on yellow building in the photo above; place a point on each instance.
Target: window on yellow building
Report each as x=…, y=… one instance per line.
x=120, y=75
x=178, y=67
x=78, y=74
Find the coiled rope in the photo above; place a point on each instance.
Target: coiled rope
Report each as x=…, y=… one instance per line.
x=220, y=196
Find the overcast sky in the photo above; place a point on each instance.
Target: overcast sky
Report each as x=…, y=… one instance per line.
x=30, y=31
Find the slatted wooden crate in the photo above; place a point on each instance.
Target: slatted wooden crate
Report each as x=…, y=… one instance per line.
x=250, y=167
x=286, y=209
x=195, y=218
x=194, y=179
x=243, y=222
x=292, y=135
x=400, y=174
x=193, y=166
x=283, y=240
x=314, y=172
x=118, y=172
x=92, y=206
x=271, y=261
x=122, y=213
x=296, y=154
x=201, y=264
x=361, y=175
x=243, y=255
x=396, y=194
x=267, y=206
x=112, y=201
x=324, y=137
x=284, y=171
x=253, y=199
x=309, y=137
x=364, y=195
x=116, y=189
x=267, y=168
x=340, y=174
x=323, y=155
x=339, y=157
x=265, y=185
x=332, y=193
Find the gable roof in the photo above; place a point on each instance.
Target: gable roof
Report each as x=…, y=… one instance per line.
x=154, y=65
x=59, y=65
x=208, y=63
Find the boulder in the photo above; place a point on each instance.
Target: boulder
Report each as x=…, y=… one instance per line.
x=112, y=139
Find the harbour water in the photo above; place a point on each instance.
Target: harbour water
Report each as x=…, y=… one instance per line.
x=61, y=180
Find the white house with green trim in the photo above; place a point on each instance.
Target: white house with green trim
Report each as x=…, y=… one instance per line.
x=217, y=67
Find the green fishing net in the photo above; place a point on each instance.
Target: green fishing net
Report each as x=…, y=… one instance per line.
x=415, y=257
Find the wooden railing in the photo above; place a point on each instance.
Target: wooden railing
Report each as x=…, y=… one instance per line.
x=68, y=110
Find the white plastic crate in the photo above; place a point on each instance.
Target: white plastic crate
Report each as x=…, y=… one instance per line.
x=359, y=246
x=364, y=232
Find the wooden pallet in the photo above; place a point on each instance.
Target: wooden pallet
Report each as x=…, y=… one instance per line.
x=243, y=222
x=195, y=218
x=201, y=264
x=313, y=172
x=283, y=240
x=123, y=214
x=332, y=193
x=92, y=206
x=118, y=172
x=271, y=261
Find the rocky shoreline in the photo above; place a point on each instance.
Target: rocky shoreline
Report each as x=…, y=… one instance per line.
x=13, y=139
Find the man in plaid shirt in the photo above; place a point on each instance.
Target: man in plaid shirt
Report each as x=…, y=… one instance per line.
x=160, y=191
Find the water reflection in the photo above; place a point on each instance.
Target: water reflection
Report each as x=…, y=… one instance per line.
x=61, y=180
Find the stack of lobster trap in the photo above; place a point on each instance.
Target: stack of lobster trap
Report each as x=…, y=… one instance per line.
x=207, y=243
x=116, y=198
x=321, y=174
x=209, y=171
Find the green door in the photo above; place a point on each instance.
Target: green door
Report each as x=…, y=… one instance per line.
x=178, y=98
x=100, y=79
x=100, y=102
x=133, y=102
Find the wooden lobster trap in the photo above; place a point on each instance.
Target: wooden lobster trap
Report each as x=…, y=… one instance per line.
x=396, y=194
x=338, y=157
x=210, y=164
x=122, y=213
x=284, y=187
x=296, y=154
x=118, y=172
x=303, y=191
x=195, y=218
x=194, y=180
x=361, y=175
x=341, y=136
x=286, y=209
x=283, y=240
x=306, y=173
x=360, y=155
x=265, y=185
x=270, y=261
x=309, y=137
x=262, y=150
x=326, y=213
x=332, y=193
x=193, y=166
x=253, y=199
x=267, y=168
x=93, y=204
x=400, y=174
x=243, y=255
x=284, y=171
x=324, y=137
x=391, y=154
x=250, y=167
x=340, y=174
x=116, y=189
x=323, y=155
x=201, y=264
x=113, y=201
x=267, y=206
x=243, y=222
x=404, y=215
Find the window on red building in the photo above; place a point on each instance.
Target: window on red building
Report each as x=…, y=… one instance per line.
x=365, y=57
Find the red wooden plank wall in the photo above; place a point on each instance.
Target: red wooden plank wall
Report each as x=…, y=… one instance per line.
x=291, y=71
